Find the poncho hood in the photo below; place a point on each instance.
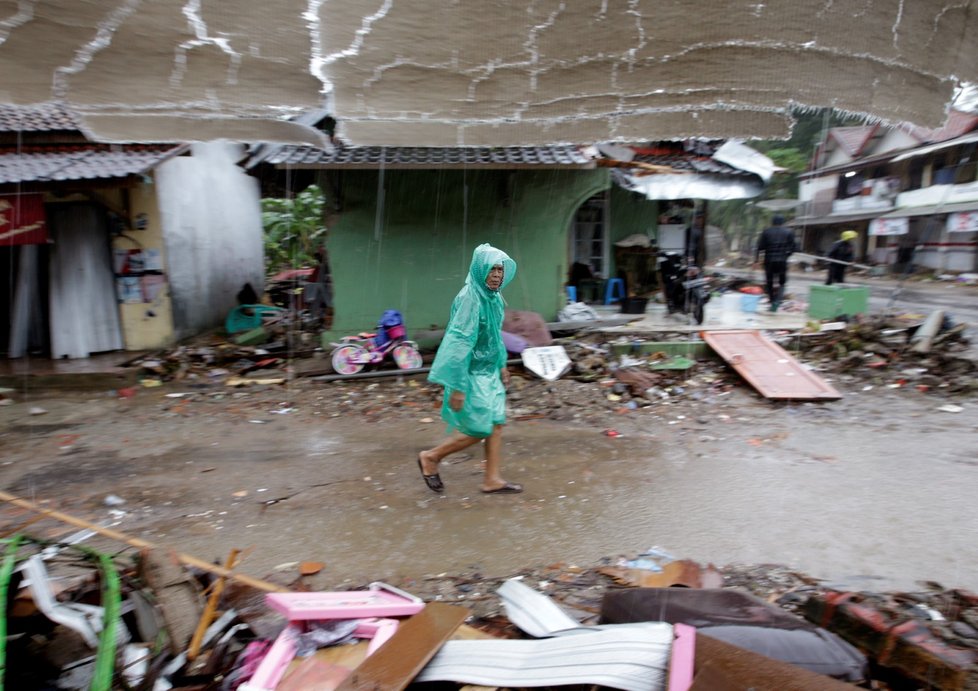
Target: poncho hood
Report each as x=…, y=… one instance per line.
x=484, y=258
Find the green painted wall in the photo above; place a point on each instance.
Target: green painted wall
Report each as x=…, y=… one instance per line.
x=632, y=213
x=412, y=254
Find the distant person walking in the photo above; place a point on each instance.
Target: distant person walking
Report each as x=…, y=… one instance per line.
x=840, y=250
x=471, y=365
x=777, y=243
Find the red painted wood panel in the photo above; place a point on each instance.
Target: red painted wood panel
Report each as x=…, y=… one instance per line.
x=768, y=367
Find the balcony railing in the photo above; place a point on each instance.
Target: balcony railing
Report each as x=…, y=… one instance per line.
x=867, y=202
x=939, y=194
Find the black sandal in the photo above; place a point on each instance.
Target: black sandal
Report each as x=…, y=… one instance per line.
x=508, y=488
x=433, y=481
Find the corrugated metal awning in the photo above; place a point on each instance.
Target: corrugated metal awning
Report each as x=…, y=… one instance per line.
x=833, y=219
x=966, y=139
x=931, y=210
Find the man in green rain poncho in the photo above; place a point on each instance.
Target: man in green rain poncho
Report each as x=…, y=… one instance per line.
x=471, y=365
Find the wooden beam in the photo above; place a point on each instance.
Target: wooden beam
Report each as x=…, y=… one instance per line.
x=185, y=559
x=401, y=659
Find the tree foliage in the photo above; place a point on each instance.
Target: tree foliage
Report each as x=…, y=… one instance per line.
x=293, y=228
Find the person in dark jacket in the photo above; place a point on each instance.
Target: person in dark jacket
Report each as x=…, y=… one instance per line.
x=777, y=243
x=841, y=250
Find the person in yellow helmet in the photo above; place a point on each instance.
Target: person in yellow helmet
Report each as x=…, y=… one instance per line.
x=842, y=251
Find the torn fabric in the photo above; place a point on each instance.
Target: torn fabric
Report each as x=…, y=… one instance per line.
x=512, y=72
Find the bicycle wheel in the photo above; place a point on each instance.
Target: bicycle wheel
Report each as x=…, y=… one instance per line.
x=348, y=359
x=407, y=356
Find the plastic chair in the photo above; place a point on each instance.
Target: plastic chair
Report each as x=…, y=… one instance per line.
x=247, y=317
x=571, y=294
x=613, y=286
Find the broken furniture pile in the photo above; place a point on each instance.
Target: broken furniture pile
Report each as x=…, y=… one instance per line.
x=79, y=618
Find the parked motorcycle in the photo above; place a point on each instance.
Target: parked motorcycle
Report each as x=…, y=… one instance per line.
x=685, y=285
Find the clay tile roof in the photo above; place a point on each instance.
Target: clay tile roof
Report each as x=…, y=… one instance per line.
x=690, y=162
x=853, y=139
x=430, y=157
x=958, y=123
x=42, y=117
x=84, y=162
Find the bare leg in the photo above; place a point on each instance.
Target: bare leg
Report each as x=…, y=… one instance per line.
x=494, y=446
x=455, y=443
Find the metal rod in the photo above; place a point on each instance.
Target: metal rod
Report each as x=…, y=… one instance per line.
x=834, y=261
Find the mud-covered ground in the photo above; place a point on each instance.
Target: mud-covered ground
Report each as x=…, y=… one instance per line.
x=875, y=491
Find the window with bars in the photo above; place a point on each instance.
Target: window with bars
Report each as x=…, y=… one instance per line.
x=589, y=236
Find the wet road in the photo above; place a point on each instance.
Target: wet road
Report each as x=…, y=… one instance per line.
x=876, y=489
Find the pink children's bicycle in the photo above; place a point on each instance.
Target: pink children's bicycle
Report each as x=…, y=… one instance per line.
x=353, y=353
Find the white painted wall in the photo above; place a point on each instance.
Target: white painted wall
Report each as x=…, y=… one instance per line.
x=808, y=188
x=894, y=139
x=210, y=211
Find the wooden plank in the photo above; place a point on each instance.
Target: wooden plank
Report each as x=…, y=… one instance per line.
x=768, y=367
x=312, y=674
x=402, y=657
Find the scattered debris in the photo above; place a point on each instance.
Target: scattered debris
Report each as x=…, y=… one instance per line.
x=878, y=350
x=168, y=622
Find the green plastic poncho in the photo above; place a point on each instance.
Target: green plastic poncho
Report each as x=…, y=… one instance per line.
x=472, y=353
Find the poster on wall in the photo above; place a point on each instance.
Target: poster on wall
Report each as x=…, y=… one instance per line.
x=889, y=226
x=22, y=220
x=962, y=222
x=152, y=259
x=128, y=289
x=152, y=285
x=128, y=261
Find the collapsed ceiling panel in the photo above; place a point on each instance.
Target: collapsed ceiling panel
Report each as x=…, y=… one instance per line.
x=490, y=73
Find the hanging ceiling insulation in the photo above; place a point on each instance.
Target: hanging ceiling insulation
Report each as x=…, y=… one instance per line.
x=487, y=73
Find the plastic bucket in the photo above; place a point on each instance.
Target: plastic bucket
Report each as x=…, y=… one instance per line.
x=749, y=303
x=634, y=305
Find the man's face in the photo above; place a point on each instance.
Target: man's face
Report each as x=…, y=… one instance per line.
x=495, y=277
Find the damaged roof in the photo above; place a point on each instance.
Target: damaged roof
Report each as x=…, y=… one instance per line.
x=40, y=117
x=688, y=162
x=45, y=142
x=430, y=157
x=85, y=162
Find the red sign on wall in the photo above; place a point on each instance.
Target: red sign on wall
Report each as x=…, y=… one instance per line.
x=22, y=220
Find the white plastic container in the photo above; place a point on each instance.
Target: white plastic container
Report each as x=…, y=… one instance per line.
x=731, y=308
